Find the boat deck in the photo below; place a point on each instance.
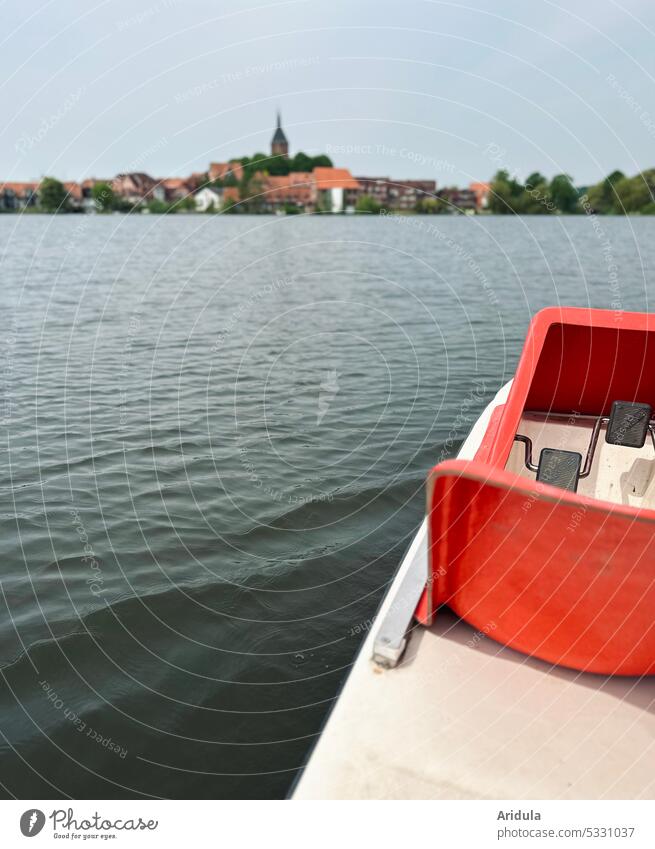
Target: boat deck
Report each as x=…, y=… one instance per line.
x=463, y=717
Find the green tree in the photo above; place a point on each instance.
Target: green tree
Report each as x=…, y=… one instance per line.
x=251, y=195
x=431, y=206
x=253, y=164
x=602, y=197
x=537, y=199
x=367, y=204
x=122, y=204
x=535, y=179
x=230, y=207
x=277, y=166
x=596, y=200
x=103, y=197
x=618, y=194
x=187, y=204
x=302, y=162
x=506, y=195
x=634, y=193
x=321, y=161
x=158, y=207
x=564, y=194
x=53, y=196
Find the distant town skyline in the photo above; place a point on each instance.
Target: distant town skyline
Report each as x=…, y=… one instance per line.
x=417, y=90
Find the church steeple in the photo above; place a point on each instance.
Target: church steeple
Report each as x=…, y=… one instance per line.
x=279, y=143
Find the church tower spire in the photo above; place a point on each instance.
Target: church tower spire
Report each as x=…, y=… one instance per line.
x=279, y=143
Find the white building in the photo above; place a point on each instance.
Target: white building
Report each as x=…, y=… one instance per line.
x=209, y=198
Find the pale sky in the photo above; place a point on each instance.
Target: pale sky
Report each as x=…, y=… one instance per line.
x=398, y=88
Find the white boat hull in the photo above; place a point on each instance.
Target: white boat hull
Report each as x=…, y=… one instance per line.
x=463, y=717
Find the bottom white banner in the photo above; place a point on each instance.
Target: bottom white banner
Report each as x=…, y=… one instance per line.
x=329, y=824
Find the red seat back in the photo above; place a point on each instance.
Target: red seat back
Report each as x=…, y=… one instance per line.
x=553, y=574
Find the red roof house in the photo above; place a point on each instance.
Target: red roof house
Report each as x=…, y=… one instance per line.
x=222, y=170
x=331, y=186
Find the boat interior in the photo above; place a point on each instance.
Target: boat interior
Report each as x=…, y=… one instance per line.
x=580, y=413
x=550, y=530
x=589, y=454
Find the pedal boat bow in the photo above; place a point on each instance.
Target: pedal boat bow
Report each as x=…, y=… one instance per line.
x=560, y=554
x=533, y=568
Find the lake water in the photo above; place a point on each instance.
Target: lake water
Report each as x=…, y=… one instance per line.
x=215, y=436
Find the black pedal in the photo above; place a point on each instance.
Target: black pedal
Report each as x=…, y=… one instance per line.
x=628, y=424
x=559, y=468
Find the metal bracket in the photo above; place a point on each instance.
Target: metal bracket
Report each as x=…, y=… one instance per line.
x=591, y=450
x=390, y=640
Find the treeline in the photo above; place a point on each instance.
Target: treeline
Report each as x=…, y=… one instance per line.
x=276, y=166
x=615, y=195
x=54, y=197
x=280, y=166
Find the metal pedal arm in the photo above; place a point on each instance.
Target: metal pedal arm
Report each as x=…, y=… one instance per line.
x=591, y=450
